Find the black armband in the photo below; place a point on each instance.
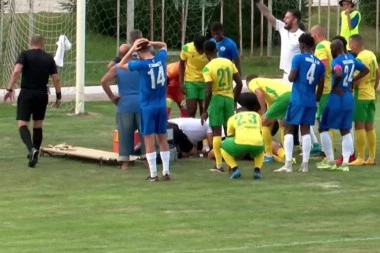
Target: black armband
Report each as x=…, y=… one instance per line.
x=9, y=90
x=59, y=95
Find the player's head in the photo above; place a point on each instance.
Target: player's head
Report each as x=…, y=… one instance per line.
x=250, y=77
x=337, y=48
x=123, y=50
x=319, y=33
x=347, y=4
x=134, y=35
x=307, y=42
x=249, y=101
x=199, y=42
x=343, y=40
x=292, y=19
x=37, y=41
x=210, y=50
x=356, y=43
x=143, y=51
x=217, y=31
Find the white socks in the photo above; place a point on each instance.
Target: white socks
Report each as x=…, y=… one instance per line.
x=288, y=146
x=347, y=148
x=306, y=148
x=314, y=139
x=327, y=145
x=151, y=158
x=165, y=158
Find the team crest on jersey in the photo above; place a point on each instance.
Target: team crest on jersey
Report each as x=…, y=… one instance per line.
x=222, y=48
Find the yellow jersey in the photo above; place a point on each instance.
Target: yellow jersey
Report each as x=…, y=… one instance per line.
x=366, y=88
x=323, y=53
x=195, y=63
x=271, y=88
x=345, y=28
x=219, y=71
x=246, y=128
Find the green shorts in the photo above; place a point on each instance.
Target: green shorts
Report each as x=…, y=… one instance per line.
x=220, y=110
x=364, y=111
x=278, y=109
x=322, y=105
x=195, y=90
x=236, y=150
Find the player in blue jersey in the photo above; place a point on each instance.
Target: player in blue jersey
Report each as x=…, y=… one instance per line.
x=306, y=73
x=152, y=71
x=339, y=110
x=226, y=47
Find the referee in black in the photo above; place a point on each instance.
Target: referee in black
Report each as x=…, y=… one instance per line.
x=35, y=66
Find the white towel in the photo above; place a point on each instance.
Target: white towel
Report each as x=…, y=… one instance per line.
x=63, y=45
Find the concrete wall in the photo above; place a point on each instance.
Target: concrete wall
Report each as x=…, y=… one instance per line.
x=22, y=6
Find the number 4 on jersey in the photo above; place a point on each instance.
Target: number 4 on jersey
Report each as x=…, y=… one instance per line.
x=310, y=75
x=160, y=77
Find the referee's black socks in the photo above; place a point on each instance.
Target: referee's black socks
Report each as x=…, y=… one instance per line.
x=26, y=137
x=37, y=138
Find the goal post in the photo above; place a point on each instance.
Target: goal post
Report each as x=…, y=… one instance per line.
x=80, y=56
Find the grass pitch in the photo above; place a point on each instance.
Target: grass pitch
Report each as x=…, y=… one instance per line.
x=76, y=206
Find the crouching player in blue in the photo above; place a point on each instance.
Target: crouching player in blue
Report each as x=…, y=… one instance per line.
x=152, y=70
x=307, y=72
x=244, y=136
x=339, y=111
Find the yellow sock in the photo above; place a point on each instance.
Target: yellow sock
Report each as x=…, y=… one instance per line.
x=230, y=160
x=282, y=135
x=216, y=142
x=333, y=138
x=259, y=160
x=371, y=139
x=267, y=136
x=281, y=153
x=360, y=143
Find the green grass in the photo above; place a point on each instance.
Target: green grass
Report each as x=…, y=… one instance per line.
x=68, y=205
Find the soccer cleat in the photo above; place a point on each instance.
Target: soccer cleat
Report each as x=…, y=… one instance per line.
x=287, y=168
x=304, y=167
x=340, y=160
x=257, y=174
x=33, y=158
x=357, y=162
x=294, y=161
x=235, y=174
x=152, y=179
x=327, y=166
x=324, y=161
x=166, y=177
x=268, y=159
x=343, y=168
x=316, y=149
x=216, y=169
x=370, y=161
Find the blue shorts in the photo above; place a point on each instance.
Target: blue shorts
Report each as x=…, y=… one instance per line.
x=334, y=118
x=153, y=119
x=300, y=115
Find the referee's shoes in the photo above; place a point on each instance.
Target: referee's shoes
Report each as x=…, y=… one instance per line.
x=33, y=158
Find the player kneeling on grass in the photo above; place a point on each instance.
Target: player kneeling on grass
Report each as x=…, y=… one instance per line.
x=307, y=72
x=244, y=136
x=339, y=111
x=152, y=70
x=220, y=97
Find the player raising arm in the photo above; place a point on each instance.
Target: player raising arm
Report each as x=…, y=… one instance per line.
x=340, y=107
x=152, y=70
x=221, y=97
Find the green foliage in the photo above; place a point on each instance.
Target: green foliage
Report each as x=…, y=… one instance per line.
x=368, y=11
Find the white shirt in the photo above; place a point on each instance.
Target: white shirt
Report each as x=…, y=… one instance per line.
x=289, y=45
x=192, y=128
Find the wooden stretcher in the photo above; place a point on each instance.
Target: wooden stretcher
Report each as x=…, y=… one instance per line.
x=80, y=152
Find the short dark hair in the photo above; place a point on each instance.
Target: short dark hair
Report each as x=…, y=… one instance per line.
x=306, y=39
x=358, y=39
x=135, y=34
x=249, y=101
x=144, y=47
x=199, y=42
x=209, y=46
x=342, y=39
x=37, y=39
x=251, y=77
x=217, y=27
x=297, y=14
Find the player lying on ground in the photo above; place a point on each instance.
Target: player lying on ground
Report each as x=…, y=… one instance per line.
x=365, y=103
x=339, y=111
x=174, y=93
x=221, y=97
x=307, y=72
x=152, y=70
x=244, y=136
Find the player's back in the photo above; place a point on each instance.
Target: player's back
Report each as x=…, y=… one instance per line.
x=310, y=71
x=366, y=88
x=227, y=48
x=246, y=126
x=323, y=51
x=220, y=72
x=271, y=88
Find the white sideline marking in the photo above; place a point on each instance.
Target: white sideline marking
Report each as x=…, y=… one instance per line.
x=277, y=245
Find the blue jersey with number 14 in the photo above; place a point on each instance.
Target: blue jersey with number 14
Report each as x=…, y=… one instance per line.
x=309, y=71
x=152, y=79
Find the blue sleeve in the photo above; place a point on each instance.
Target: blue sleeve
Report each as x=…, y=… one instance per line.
x=233, y=49
x=355, y=21
x=162, y=56
x=295, y=62
x=135, y=65
x=358, y=65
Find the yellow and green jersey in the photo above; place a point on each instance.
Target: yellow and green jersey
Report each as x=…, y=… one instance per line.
x=345, y=30
x=246, y=128
x=323, y=53
x=195, y=63
x=271, y=88
x=366, y=88
x=219, y=71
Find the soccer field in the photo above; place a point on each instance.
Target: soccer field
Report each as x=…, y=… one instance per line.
x=76, y=206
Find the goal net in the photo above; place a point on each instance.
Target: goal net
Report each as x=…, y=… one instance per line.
x=20, y=20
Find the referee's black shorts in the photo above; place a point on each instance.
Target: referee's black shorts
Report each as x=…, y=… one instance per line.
x=180, y=139
x=31, y=103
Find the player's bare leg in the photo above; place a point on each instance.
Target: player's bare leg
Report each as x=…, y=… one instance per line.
x=164, y=154
x=217, y=143
x=151, y=156
x=371, y=139
x=191, y=105
x=201, y=107
x=267, y=136
x=183, y=109
x=288, y=146
x=360, y=139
